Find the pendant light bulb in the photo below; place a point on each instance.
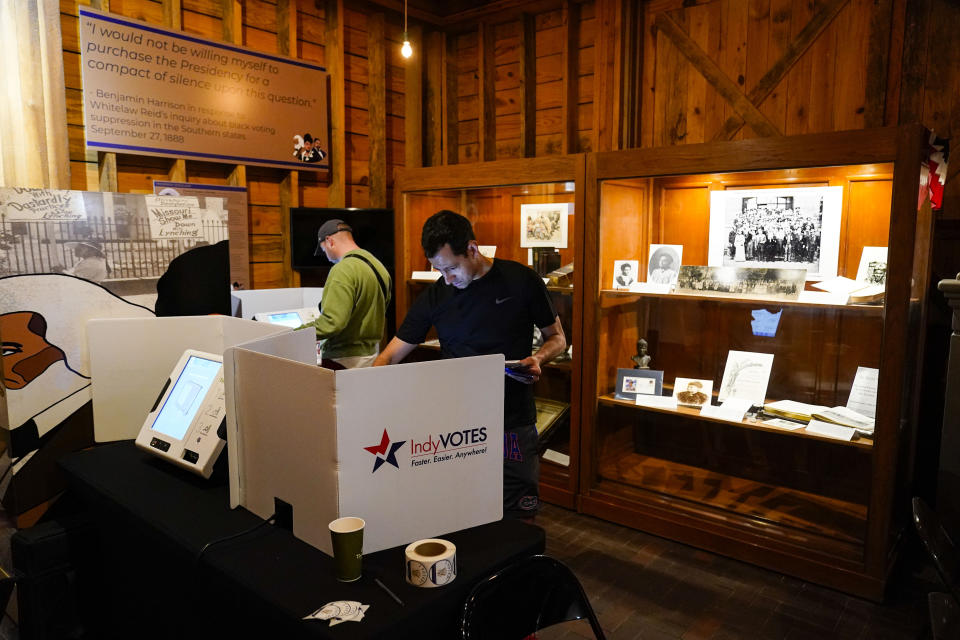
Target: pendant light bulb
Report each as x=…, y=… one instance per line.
x=406, y=50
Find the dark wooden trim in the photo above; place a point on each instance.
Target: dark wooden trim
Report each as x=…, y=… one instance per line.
x=605, y=69
x=451, y=137
x=585, y=283
x=434, y=132
x=895, y=385
x=898, y=18
x=916, y=52
x=528, y=86
x=413, y=100
x=334, y=54
x=877, y=60
x=290, y=183
x=568, y=81
x=755, y=154
x=794, y=51
x=377, y=108
x=710, y=70
x=487, y=71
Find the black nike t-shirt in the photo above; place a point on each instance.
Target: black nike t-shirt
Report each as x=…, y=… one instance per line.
x=494, y=314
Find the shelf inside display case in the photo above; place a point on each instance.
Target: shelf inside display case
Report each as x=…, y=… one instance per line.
x=613, y=297
x=690, y=412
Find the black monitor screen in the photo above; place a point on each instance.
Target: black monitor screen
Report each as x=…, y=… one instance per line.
x=372, y=230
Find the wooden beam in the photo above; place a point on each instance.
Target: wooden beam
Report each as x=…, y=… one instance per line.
x=435, y=94
x=377, y=109
x=878, y=51
x=487, y=70
x=290, y=183
x=451, y=138
x=232, y=21
x=289, y=199
x=528, y=86
x=568, y=81
x=173, y=13
x=916, y=58
x=108, y=171
x=716, y=77
x=631, y=75
x=177, y=171
x=287, y=28
x=106, y=161
x=604, y=75
x=794, y=51
x=891, y=111
x=173, y=18
x=334, y=54
x=413, y=101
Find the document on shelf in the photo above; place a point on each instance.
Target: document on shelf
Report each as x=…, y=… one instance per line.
x=733, y=409
x=793, y=409
x=780, y=423
x=847, y=418
x=863, y=393
x=557, y=457
x=656, y=402
x=830, y=430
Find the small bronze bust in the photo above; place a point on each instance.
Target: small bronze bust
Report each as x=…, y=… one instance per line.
x=641, y=360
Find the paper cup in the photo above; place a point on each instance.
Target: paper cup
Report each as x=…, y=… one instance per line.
x=347, y=537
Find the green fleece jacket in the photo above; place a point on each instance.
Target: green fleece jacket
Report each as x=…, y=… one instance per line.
x=353, y=309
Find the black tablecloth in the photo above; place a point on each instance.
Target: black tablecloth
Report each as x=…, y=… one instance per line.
x=154, y=519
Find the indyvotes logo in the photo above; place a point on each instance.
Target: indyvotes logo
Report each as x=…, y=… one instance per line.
x=454, y=445
x=386, y=451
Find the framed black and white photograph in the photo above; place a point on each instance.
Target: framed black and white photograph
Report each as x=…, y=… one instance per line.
x=796, y=228
x=754, y=283
x=544, y=225
x=631, y=382
x=625, y=273
x=664, y=264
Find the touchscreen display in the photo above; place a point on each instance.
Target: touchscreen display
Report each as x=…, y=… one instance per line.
x=184, y=399
x=288, y=319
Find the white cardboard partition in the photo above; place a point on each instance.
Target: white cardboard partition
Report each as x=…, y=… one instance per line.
x=130, y=359
x=413, y=449
x=264, y=300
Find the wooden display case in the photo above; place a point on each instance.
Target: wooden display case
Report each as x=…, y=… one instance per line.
x=823, y=509
x=490, y=194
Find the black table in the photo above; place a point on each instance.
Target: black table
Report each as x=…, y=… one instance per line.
x=153, y=520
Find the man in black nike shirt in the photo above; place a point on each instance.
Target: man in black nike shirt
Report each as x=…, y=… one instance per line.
x=480, y=307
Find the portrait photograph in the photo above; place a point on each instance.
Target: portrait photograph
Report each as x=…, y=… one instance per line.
x=753, y=283
x=873, y=265
x=692, y=392
x=544, y=225
x=625, y=273
x=664, y=264
x=796, y=228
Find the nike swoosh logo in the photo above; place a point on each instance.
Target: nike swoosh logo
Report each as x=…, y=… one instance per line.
x=501, y=300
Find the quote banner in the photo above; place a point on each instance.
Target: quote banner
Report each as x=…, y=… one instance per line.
x=149, y=90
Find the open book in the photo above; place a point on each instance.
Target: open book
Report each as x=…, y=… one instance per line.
x=847, y=418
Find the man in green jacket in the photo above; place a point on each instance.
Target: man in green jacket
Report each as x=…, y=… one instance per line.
x=355, y=298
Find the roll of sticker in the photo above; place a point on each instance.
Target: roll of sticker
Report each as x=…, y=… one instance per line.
x=431, y=563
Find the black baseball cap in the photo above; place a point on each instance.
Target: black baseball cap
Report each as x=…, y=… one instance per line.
x=329, y=228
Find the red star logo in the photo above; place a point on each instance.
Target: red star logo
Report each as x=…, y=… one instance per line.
x=382, y=450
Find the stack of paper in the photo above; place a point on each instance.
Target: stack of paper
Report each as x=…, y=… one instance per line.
x=847, y=418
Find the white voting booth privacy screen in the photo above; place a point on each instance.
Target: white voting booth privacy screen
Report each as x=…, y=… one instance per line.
x=246, y=304
x=413, y=449
x=130, y=360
